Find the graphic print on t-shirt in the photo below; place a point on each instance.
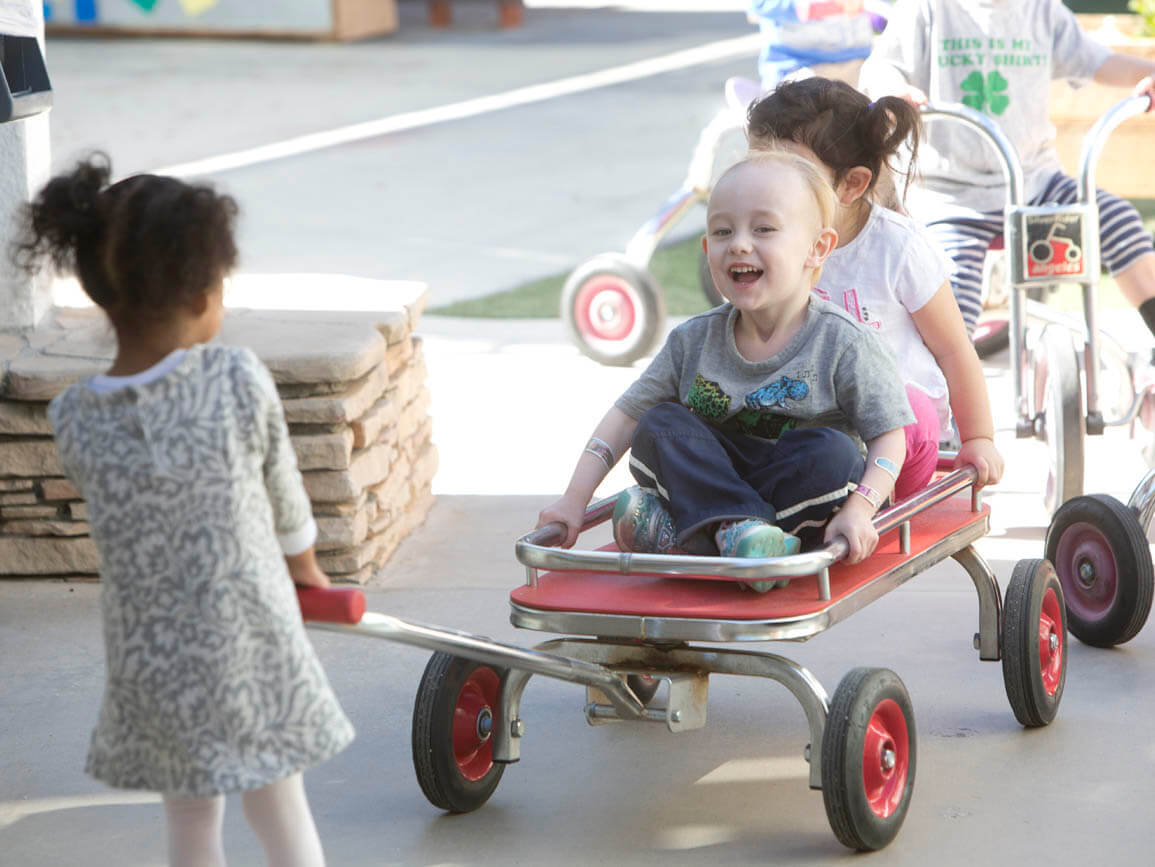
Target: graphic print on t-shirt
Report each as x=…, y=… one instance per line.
x=851, y=304
x=708, y=401
x=986, y=92
x=985, y=87
x=777, y=393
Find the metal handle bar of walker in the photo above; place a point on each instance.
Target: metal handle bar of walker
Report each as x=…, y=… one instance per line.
x=1093, y=143
x=537, y=549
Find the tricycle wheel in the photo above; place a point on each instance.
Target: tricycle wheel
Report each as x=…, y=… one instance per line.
x=991, y=336
x=1034, y=642
x=644, y=686
x=613, y=309
x=454, y=716
x=868, y=758
x=1100, y=553
x=1058, y=396
x=706, y=280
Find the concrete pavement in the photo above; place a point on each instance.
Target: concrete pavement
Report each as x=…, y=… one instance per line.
x=471, y=206
x=987, y=791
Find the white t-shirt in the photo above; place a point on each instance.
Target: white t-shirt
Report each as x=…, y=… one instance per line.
x=890, y=270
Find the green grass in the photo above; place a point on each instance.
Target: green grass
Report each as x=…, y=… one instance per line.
x=675, y=267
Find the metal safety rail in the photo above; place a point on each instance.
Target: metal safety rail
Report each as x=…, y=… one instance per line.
x=536, y=549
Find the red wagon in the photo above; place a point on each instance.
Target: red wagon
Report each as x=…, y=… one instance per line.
x=636, y=621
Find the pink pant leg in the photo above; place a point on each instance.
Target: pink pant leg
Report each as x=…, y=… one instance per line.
x=921, y=445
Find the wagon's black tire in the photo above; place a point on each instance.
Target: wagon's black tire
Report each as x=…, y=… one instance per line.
x=644, y=686
x=614, y=310
x=456, y=711
x=1034, y=642
x=870, y=726
x=706, y=281
x=1100, y=553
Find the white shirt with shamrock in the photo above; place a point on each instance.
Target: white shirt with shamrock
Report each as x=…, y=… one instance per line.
x=997, y=56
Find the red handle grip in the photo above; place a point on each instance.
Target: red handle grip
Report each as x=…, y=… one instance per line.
x=332, y=604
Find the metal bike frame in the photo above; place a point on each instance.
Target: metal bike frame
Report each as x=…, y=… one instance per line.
x=695, y=188
x=1086, y=209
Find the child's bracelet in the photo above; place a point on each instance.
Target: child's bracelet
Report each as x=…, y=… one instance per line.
x=887, y=466
x=601, y=450
x=870, y=495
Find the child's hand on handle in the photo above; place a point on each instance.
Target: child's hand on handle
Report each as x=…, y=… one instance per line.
x=913, y=95
x=980, y=453
x=1146, y=87
x=566, y=511
x=853, y=522
x=610, y=441
x=304, y=571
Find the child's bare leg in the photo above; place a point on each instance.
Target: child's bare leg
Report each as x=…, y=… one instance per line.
x=194, y=831
x=279, y=815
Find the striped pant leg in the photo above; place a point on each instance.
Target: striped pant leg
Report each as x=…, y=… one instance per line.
x=966, y=241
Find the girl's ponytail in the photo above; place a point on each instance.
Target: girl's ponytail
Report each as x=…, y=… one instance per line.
x=64, y=223
x=889, y=123
x=839, y=124
x=140, y=248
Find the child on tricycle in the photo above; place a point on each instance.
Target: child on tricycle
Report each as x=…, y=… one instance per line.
x=1001, y=61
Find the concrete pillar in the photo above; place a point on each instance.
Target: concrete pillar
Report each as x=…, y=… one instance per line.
x=25, y=163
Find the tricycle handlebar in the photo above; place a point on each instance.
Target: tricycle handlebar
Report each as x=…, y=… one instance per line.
x=1096, y=138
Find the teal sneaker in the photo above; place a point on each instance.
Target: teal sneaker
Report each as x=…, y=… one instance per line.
x=642, y=524
x=754, y=539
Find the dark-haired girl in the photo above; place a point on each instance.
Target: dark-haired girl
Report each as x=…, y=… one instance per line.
x=201, y=519
x=886, y=271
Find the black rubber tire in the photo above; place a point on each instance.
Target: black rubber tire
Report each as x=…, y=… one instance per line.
x=1059, y=396
x=644, y=686
x=859, y=696
x=1034, y=680
x=438, y=772
x=991, y=336
x=706, y=281
x=629, y=290
x=1100, y=552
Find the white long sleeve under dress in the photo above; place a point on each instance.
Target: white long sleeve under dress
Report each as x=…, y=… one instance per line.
x=194, y=498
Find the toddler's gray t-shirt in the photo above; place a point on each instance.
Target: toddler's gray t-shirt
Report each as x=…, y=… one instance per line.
x=834, y=373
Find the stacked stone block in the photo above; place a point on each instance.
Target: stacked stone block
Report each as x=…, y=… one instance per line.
x=354, y=394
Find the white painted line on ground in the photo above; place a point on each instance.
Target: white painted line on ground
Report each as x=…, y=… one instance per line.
x=713, y=51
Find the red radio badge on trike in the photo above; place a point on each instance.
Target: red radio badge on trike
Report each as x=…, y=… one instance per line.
x=1053, y=245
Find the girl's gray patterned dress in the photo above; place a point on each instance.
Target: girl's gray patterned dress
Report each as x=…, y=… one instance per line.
x=213, y=686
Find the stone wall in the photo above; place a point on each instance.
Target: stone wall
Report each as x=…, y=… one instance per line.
x=354, y=393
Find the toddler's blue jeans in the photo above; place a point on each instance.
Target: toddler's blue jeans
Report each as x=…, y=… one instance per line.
x=705, y=475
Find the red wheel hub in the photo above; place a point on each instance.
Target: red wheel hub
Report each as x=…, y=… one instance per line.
x=605, y=308
x=1088, y=570
x=1051, y=642
x=473, y=721
x=885, y=758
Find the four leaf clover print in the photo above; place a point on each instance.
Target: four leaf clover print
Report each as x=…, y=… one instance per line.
x=986, y=92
